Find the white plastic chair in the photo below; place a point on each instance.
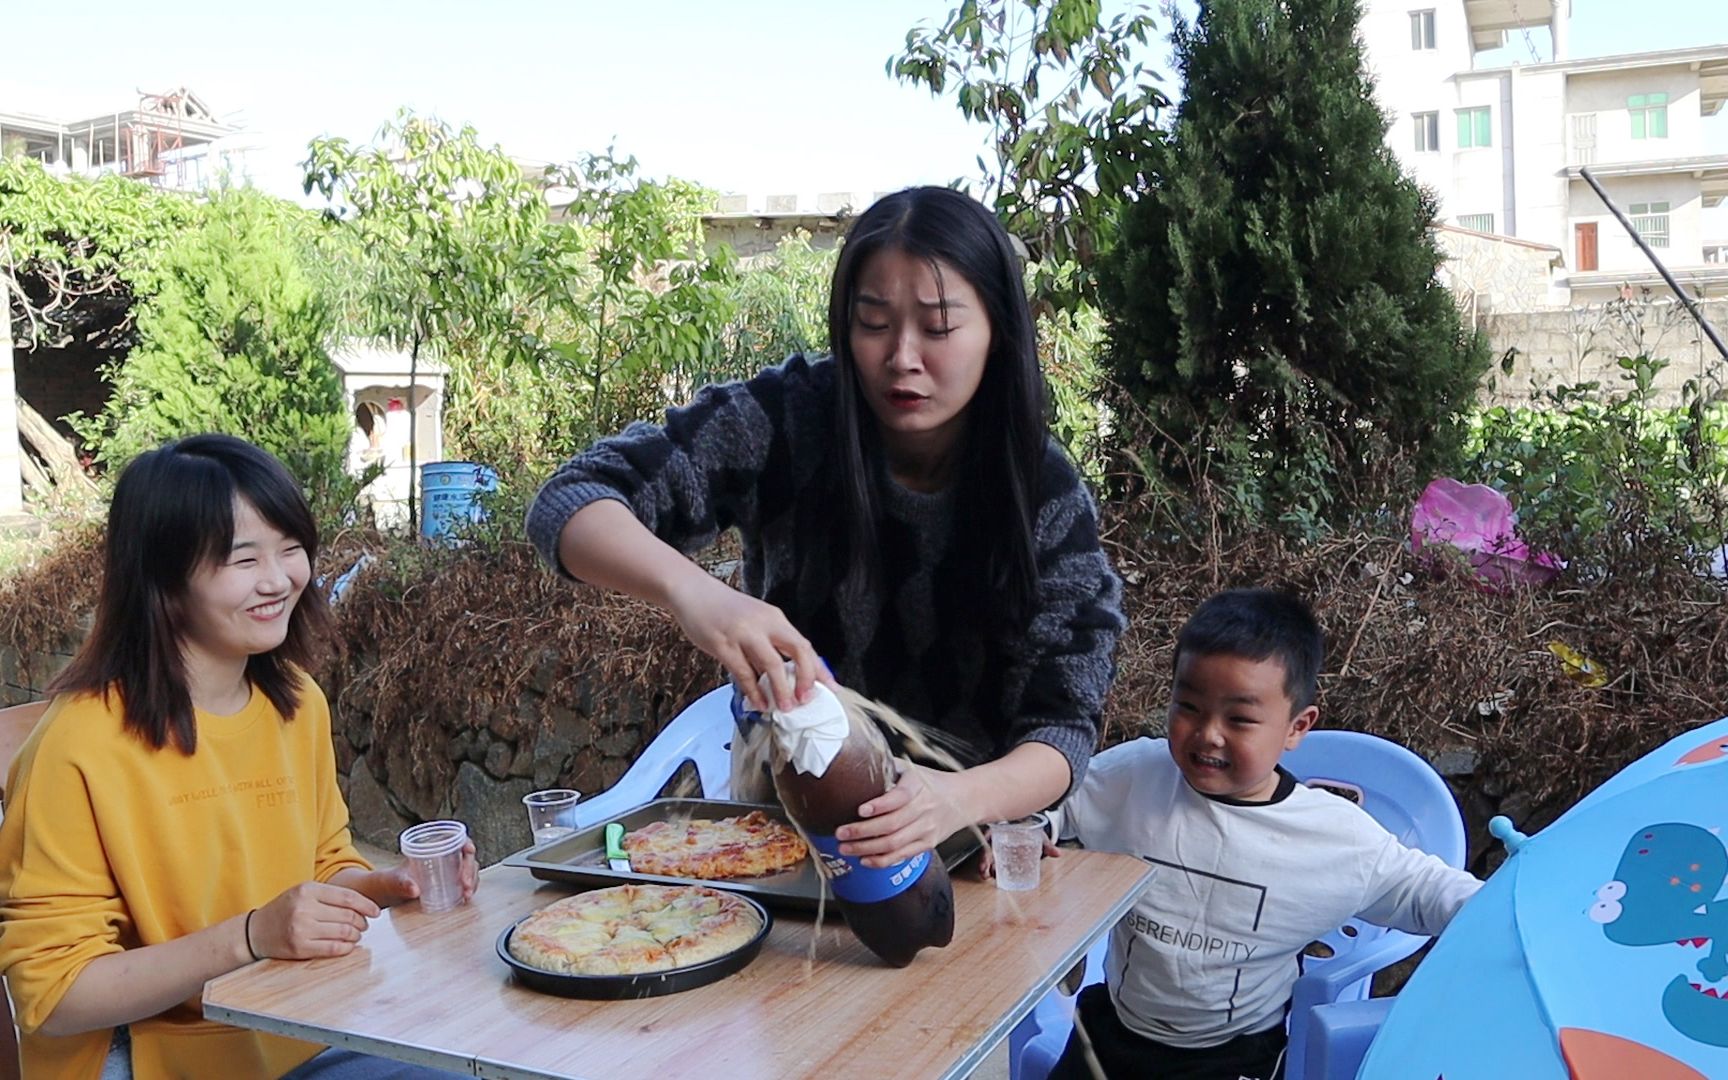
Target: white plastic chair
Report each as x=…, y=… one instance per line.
x=701, y=735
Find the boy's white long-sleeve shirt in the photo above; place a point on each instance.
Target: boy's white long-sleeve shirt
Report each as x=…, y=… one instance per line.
x=1209, y=951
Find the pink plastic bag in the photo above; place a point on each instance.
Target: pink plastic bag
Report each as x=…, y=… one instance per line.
x=1479, y=521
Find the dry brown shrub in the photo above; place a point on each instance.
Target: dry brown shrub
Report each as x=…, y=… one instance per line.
x=45, y=607
x=1422, y=653
x=437, y=641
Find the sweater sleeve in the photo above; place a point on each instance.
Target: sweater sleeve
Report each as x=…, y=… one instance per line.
x=1063, y=669
x=1413, y=890
x=59, y=905
x=686, y=480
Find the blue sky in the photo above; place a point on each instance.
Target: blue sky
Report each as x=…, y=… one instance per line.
x=756, y=96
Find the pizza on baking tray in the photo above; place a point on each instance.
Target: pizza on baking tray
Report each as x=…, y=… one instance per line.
x=634, y=929
x=745, y=846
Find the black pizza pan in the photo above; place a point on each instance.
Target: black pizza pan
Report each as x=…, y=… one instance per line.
x=646, y=985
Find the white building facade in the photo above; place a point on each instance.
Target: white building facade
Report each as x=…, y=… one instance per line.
x=1502, y=147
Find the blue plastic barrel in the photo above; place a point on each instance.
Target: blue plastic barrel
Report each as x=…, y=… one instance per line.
x=449, y=495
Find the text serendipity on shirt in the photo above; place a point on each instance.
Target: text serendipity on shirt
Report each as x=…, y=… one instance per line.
x=268, y=792
x=1190, y=940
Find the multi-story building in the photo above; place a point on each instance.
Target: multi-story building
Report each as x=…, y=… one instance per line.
x=171, y=140
x=1502, y=147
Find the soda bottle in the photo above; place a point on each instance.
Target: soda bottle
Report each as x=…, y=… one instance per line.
x=826, y=765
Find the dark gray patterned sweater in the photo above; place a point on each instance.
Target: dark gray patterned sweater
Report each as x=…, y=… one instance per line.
x=755, y=456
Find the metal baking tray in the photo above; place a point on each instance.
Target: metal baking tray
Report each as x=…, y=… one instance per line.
x=648, y=983
x=579, y=858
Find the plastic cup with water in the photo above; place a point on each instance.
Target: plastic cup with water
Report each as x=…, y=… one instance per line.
x=551, y=813
x=433, y=852
x=1017, y=848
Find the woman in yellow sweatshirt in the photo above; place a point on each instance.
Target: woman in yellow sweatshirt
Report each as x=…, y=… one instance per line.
x=175, y=815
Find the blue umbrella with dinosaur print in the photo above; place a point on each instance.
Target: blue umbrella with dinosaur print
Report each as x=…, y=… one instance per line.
x=1598, y=950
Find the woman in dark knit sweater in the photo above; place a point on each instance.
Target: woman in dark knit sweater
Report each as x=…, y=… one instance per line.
x=904, y=513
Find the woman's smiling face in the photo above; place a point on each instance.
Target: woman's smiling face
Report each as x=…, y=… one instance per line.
x=238, y=605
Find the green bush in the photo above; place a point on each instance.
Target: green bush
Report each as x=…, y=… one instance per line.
x=1599, y=476
x=232, y=339
x=780, y=305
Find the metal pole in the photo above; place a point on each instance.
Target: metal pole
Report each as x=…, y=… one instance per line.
x=1703, y=323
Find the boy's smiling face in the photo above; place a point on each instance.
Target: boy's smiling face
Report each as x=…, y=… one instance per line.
x=1231, y=719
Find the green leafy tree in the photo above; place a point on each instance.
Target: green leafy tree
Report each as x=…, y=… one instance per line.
x=75, y=254
x=1072, y=118
x=1272, y=297
x=646, y=308
x=439, y=238
x=781, y=301
x=232, y=339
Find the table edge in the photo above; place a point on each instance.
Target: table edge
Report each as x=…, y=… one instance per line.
x=969, y=1062
x=411, y=1053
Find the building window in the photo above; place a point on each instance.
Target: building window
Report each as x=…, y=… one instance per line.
x=1474, y=128
x=1476, y=222
x=1649, y=115
x=1651, y=221
x=1422, y=29
x=1427, y=131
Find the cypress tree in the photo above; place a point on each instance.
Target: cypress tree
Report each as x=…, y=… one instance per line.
x=1273, y=297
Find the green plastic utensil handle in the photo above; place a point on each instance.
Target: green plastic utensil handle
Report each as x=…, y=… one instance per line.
x=615, y=841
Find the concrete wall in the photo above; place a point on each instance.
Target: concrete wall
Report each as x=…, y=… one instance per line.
x=24, y=674
x=760, y=234
x=1604, y=93
x=1538, y=147
x=1478, y=174
x=1615, y=249
x=1574, y=345
x=1490, y=274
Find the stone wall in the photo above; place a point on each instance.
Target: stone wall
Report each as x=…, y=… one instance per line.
x=476, y=768
x=24, y=674
x=479, y=768
x=1574, y=345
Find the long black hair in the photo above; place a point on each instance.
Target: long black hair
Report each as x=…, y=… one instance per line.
x=173, y=512
x=997, y=473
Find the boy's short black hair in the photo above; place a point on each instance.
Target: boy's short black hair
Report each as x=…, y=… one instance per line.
x=1260, y=624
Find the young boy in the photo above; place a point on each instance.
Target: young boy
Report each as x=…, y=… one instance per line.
x=1251, y=866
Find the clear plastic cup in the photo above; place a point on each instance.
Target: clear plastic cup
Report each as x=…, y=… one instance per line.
x=434, y=854
x=551, y=813
x=1017, y=847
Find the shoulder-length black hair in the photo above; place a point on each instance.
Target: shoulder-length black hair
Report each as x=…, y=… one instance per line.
x=173, y=512
x=997, y=473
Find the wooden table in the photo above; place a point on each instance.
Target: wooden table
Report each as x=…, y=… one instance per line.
x=431, y=989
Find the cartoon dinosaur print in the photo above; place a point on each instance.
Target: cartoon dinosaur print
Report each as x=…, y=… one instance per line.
x=1665, y=889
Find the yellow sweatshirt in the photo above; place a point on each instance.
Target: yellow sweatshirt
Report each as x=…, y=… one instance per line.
x=107, y=845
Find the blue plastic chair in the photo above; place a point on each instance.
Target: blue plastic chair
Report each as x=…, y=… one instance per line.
x=701, y=735
x=1406, y=796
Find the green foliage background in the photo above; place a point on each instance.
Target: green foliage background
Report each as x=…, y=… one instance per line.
x=1273, y=297
x=232, y=338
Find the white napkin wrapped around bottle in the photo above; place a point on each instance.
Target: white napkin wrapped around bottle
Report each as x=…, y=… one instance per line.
x=809, y=735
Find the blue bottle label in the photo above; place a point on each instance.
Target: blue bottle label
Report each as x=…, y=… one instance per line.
x=856, y=883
